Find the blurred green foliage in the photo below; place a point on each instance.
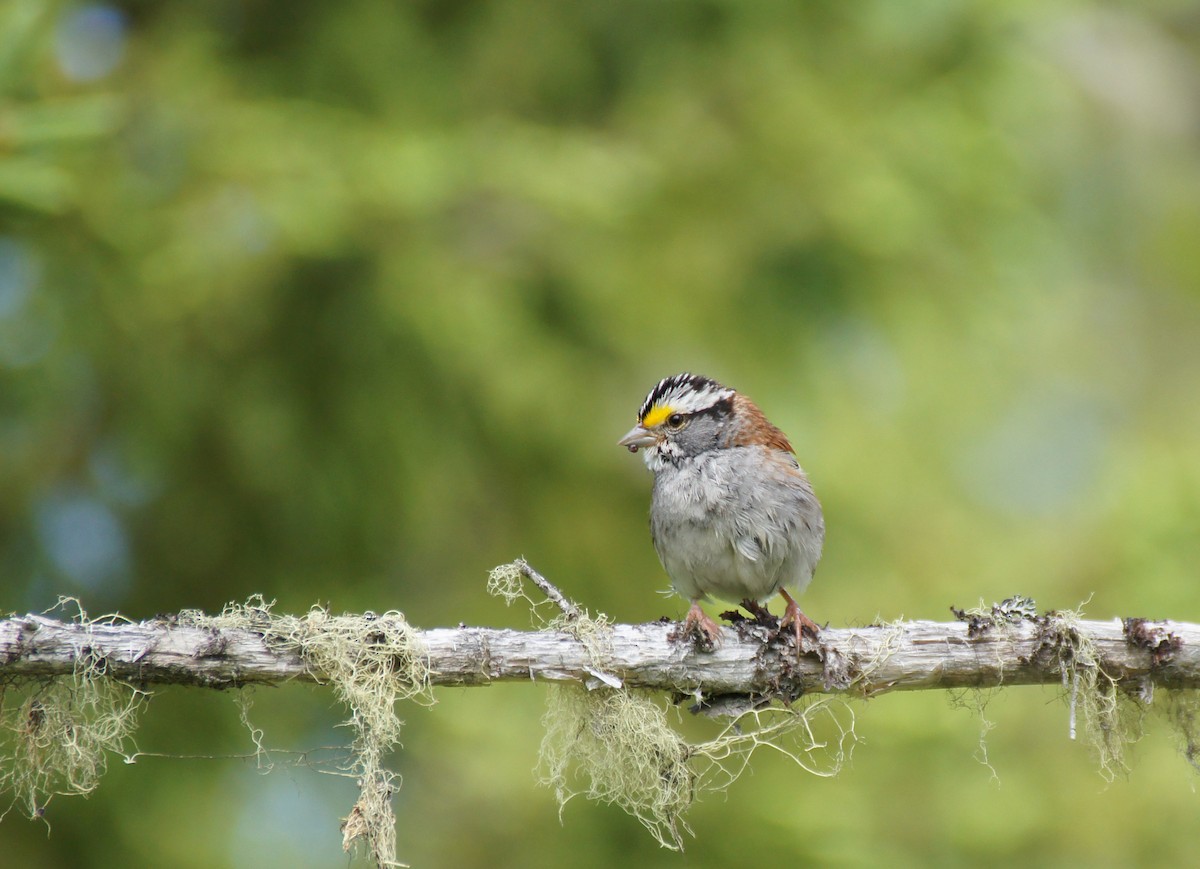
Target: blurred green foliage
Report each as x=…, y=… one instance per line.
x=349, y=302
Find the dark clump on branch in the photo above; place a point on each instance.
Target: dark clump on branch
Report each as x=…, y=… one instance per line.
x=1154, y=638
x=1009, y=611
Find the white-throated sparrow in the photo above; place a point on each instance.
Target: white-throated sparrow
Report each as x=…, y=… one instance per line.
x=732, y=514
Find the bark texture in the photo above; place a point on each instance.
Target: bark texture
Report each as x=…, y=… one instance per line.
x=979, y=652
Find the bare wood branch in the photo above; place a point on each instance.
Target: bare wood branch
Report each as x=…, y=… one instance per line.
x=556, y=597
x=906, y=656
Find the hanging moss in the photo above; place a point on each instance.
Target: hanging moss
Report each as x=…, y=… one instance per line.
x=617, y=746
x=371, y=662
x=56, y=734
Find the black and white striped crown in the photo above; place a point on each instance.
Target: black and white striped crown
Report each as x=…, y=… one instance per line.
x=681, y=393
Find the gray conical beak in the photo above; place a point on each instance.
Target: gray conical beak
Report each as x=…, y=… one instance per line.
x=637, y=437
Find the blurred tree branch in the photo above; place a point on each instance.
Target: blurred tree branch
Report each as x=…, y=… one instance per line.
x=977, y=653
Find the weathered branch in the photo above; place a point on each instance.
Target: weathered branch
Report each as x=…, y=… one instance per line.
x=903, y=656
x=373, y=660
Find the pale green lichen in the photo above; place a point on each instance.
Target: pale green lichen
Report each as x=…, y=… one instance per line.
x=610, y=744
x=371, y=662
x=976, y=700
x=1111, y=718
x=1182, y=710
x=56, y=734
x=617, y=746
x=861, y=679
x=505, y=581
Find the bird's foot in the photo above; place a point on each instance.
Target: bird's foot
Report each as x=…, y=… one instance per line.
x=700, y=629
x=801, y=624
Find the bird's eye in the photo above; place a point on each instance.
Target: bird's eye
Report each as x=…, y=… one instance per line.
x=675, y=420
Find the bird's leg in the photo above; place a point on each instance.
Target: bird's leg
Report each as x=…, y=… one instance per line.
x=701, y=628
x=799, y=622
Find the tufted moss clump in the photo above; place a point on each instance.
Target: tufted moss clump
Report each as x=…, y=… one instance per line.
x=56, y=734
x=371, y=662
x=1110, y=713
x=616, y=745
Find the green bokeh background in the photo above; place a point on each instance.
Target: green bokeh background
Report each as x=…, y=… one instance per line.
x=349, y=302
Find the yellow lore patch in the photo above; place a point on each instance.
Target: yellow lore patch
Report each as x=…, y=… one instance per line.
x=656, y=415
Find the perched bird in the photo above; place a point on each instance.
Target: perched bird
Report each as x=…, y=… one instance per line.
x=732, y=514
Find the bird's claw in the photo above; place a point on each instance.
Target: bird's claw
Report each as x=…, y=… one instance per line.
x=700, y=629
x=801, y=625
